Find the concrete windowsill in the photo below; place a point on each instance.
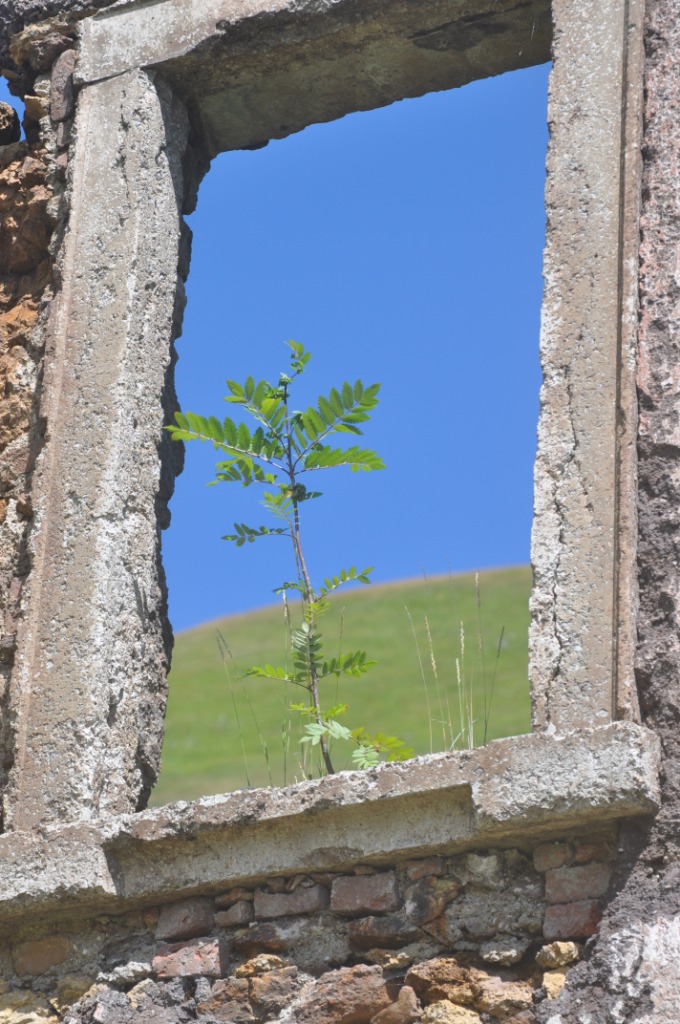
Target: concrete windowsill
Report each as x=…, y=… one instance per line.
x=512, y=791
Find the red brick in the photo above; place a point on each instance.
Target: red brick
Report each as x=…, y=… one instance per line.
x=37, y=957
x=238, y=913
x=572, y=920
x=192, y=959
x=552, y=855
x=585, y=881
x=285, y=904
x=416, y=869
x=186, y=919
x=365, y=894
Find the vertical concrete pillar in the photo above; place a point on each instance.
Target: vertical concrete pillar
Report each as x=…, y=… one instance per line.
x=89, y=684
x=583, y=547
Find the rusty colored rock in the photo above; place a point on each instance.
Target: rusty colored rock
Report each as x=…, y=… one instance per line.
x=25, y=231
x=192, y=959
x=350, y=995
x=259, y=965
x=10, y=129
x=442, y=978
x=228, y=1001
x=446, y=1012
x=405, y=1010
x=501, y=998
x=272, y=991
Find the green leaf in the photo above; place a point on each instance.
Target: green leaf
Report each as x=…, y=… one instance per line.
x=326, y=411
x=355, y=458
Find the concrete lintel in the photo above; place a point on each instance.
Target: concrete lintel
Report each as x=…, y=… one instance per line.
x=254, y=70
x=512, y=791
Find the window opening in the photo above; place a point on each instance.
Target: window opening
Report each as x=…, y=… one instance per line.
x=402, y=245
x=8, y=129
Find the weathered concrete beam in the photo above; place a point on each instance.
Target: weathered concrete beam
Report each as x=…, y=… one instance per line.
x=254, y=70
x=509, y=792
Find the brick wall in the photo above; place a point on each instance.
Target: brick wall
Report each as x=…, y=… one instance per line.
x=481, y=936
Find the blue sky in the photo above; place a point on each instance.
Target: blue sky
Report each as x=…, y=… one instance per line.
x=403, y=246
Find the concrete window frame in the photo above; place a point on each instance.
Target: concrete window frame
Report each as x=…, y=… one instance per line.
x=164, y=85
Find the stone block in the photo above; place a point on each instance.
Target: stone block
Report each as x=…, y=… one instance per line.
x=39, y=956
x=572, y=920
x=387, y=932
x=289, y=904
x=552, y=855
x=207, y=958
x=62, y=96
x=236, y=914
x=186, y=919
x=365, y=894
x=568, y=884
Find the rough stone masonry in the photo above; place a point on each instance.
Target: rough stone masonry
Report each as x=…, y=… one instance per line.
x=536, y=880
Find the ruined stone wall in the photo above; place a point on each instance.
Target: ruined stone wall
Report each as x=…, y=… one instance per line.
x=36, y=198
x=458, y=938
x=32, y=181
x=486, y=935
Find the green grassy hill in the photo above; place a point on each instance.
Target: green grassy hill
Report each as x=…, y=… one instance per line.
x=217, y=724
